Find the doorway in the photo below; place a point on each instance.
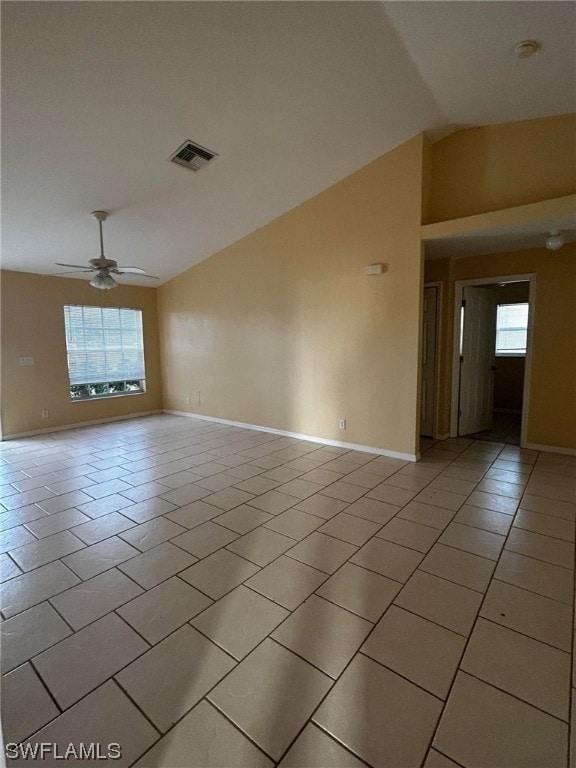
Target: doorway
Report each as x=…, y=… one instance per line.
x=491, y=364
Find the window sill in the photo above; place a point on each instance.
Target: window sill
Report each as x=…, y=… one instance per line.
x=510, y=354
x=105, y=397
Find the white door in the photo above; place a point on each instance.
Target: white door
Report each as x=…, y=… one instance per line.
x=477, y=355
x=428, y=362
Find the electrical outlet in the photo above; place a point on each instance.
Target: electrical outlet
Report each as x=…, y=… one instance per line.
x=341, y=423
x=44, y=414
x=187, y=401
x=26, y=360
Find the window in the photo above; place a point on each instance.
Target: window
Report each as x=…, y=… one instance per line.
x=511, y=329
x=105, y=351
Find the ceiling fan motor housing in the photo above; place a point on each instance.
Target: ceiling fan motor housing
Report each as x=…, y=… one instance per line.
x=103, y=263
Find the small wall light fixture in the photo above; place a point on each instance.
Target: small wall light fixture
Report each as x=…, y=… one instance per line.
x=555, y=240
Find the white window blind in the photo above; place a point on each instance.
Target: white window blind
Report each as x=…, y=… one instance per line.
x=104, y=344
x=511, y=329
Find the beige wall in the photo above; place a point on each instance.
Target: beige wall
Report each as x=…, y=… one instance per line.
x=552, y=405
x=32, y=324
x=285, y=329
x=500, y=166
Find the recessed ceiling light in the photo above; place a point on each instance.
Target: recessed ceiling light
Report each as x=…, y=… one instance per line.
x=527, y=48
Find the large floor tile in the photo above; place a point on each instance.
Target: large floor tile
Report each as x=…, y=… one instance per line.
x=163, y=609
x=427, y=514
x=26, y=704
x=270, y=695
x=539, y=617
x=417, y=649
x=294, y=523
x=371, y=509
x=322, y=552
x=322, y=506
x=156, y=565
x=547, y=525
x=239, y=621
x=100, y=557
x=482, y=726
x=474, y=540
x=493, y=501
x=315, y=749
x=354, y=530
x=60, y=521
x=486, y=519
x=205, y=738
x=384, y=719
x=205, y=539
x=443, y=602
x=8, y=568
x=388, y=559
x=29, y=633
x=261, y=546
x=106, y=717
x=219, y=573
x=194, y=514
x=540, y=547
x=324, y=634
x=94, y=598
x=439, y=498
x=103, y=527
x=273, y=502
x=409, y=534
x=536, y=576
x=286, y=581
x=243, y=519
x=46, y=550
x=31, y=588
x=168, y=680
x=458, y=566
x=87, y=658
x=521, y=666
x=563, y=509
x=152, y=533
x=365, y=593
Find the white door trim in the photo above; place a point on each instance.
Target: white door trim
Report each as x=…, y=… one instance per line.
x=439, y=341
x=458, y=292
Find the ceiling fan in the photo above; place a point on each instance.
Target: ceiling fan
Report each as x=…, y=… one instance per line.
x=103, y=267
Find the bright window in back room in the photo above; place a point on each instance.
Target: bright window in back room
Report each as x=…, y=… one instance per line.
x=105, y=350
x=511, y=329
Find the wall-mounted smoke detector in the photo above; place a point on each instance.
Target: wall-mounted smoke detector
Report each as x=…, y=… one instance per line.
x=192, y=156
x=527, y=48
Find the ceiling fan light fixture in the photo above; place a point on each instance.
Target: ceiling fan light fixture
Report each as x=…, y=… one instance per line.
x=103, y=281
x=555, y=240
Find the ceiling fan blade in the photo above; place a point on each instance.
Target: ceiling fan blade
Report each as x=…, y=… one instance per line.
x=73, y=272
x=136, y=274
x=78, y=266
x=133, y=270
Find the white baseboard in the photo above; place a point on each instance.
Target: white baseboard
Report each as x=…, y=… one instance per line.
x=551, y=449
x=77, y=425
x=298, y=436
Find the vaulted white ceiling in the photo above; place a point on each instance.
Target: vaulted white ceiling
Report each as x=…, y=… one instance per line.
x=292, y=97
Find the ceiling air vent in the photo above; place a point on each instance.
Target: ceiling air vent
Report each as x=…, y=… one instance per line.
x=192, y=156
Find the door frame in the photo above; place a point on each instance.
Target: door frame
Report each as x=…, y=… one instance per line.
x=439, y=342
x=459, y=285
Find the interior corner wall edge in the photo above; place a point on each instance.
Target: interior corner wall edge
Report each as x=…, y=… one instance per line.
x=32, y=324
x=284, y=328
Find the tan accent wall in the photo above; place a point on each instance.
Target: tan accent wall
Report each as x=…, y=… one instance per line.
x=552, y=398
x=32, y=324
x=500, y=166
x=285, y=329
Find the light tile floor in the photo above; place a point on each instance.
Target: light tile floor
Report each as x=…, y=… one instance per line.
x=205, y=595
